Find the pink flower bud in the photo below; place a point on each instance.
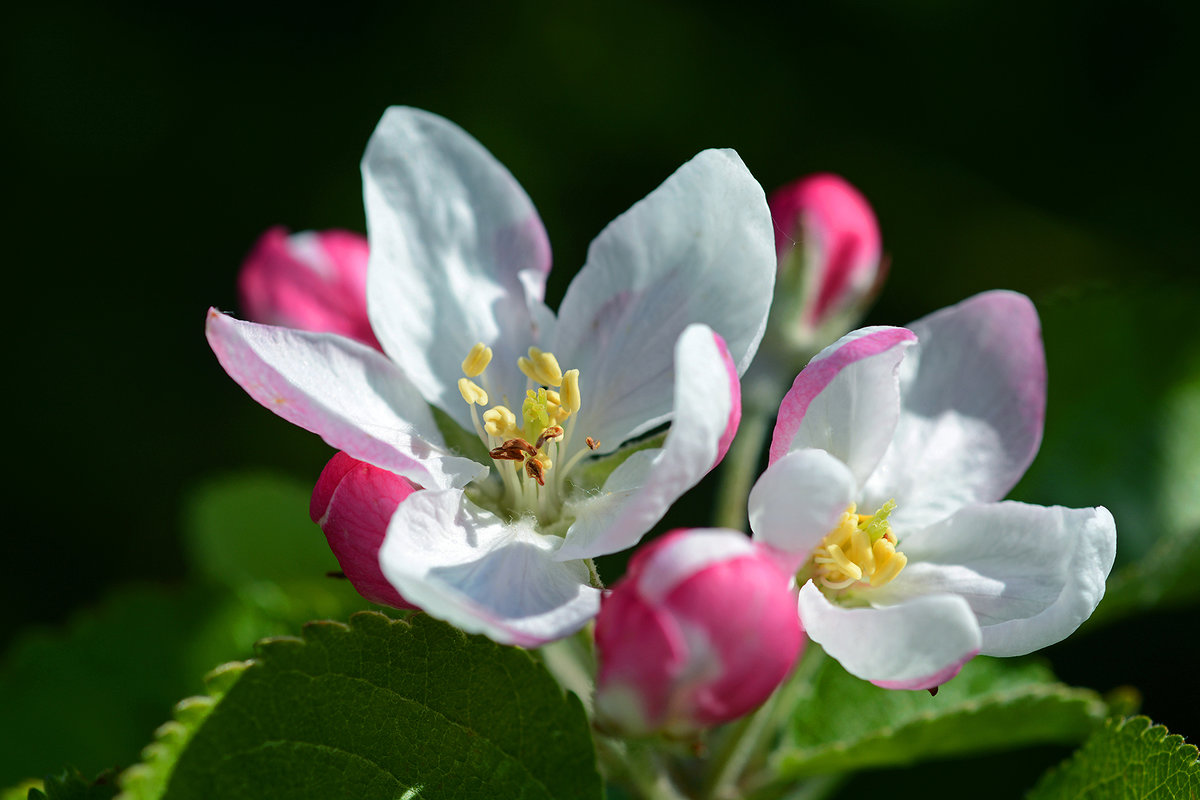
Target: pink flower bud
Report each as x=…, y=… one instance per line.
x=313, y=281
x=830, y=255
x=353, y=502
x=701, y=629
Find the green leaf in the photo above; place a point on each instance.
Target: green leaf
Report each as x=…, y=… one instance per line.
x=71, y=785
x=841, y=723
x=22, y=790
x=377, y=709
x=243, y=528
x=1128, y=759
x=1123, y=431
x=595, y=471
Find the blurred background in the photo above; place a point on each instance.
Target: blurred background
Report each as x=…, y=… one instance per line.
x=1047, y=147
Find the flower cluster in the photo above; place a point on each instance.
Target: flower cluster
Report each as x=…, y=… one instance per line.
x=483, y=462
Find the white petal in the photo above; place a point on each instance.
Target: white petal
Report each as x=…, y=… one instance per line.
x=798, y=499
x=699, y=248
x=458, y=256
x=973, y=397
x=846, y=401
x=349, y=394
x=705, y=397
x=905, y=642
x=468, y=567
x=1031, y=574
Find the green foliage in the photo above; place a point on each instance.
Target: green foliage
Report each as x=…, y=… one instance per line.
x=841, y=723
x=377, y=708
x=71, y=785
x=1128, y=759
x=91, y=694
x=1123, y=431
x=595, y=471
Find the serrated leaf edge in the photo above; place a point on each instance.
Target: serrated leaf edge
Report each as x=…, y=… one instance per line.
x=971, y=706
x=148, y=779
x=1177, y=746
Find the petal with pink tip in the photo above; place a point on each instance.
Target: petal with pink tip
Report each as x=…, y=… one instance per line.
x=973, y=399
x=350, y=395
x=906, y=642
x=696, y=249
x=847, y=400
x=468, y=567
x=353, y=502
x=1031, y=574
x=458, y=256
x=797, y=500
x=706, y=397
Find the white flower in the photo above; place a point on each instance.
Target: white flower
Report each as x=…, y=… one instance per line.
x=890, y=455
x=667, y=311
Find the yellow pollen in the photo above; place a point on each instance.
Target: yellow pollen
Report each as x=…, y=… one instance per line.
x=471, y=392
x=570, y=391
x=861, y=549
x=477, y=360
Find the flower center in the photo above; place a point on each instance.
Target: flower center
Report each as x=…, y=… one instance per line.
x=860, y=552
x=547, y=420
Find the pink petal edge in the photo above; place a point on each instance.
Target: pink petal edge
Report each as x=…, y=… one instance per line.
x=735, y=396
x=929, y=681
x=813, y=379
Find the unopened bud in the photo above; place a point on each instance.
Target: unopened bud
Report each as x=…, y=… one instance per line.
x=311, y=281
x=830, y=260
x=353, y=502
x=701, y=630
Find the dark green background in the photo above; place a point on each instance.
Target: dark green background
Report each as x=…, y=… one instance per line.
x=1043, y=147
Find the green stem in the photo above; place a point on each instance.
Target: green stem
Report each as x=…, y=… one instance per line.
x=747, y=739
x=741, y=468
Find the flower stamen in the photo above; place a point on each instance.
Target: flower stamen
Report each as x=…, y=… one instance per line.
x=861, y=549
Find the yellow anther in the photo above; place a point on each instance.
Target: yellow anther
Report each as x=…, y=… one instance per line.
x=471, y=392
x=541, y=367
x=861, y=549
x=569, y=394
x=889, y=570
x=477, y=360
x=498, y=421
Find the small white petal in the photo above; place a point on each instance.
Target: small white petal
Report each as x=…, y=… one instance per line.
x=458, y=256
x=698, y=248
x=349, y=394
x=705, y=394
x=973, y=397
x=1031, y=574
x=468, y=567
x=846, y=401
x=798, y=499
x=904, y=642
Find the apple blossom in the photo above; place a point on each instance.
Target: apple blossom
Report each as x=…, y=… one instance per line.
x=666, y=312
x=699, y=631
x=314, y=281
x=891, y=453
x=830, y=259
